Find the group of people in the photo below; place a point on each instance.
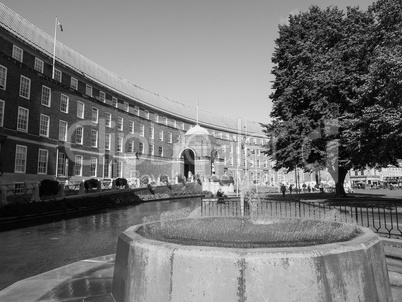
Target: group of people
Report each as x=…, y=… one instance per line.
x=305, y=188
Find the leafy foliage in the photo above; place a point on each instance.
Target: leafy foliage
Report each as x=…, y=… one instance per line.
x=48, y=187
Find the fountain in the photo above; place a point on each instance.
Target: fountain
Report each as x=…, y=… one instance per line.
x=239, y=259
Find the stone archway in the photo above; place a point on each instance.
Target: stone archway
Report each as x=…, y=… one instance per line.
x=188, y=157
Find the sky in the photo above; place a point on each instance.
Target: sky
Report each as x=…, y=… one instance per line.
x=216, y=53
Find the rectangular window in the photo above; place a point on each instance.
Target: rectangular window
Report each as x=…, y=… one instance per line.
x=74, y=83
x=94, y=166
x=114, y=102
x=18, y=53
x=142, y=130
x=20, y=159
x=88, y=90
x=22, y=119
x=63, y=126
x=161, y=135
x=108, y=120
x=160, y=149
x=38, y=65
x=80, y=109
x=42, y=161
x=119, y=169
x=151, y=133
x=130, y=146
x=106, y=168
x=44, y=125
x=3, y=77
x=107, y=141
x=131, y=127
x=78, y=165
x=102, y=96
x=2, y=105
x=136, y=110
x=46, y=96
x=95, y=115
x=25, y=87
x=64, y=103
x=94, y=138
x=79, y=134
x=119, y=144
x=120, y=123
x=141, y=148
x=61, y=164
x=170, y=137
x=126, y=107
x=146, y=114
x=57, y=75
x=151, y=150
x=156, y=116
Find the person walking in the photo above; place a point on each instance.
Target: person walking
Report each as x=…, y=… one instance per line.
x=283, y=190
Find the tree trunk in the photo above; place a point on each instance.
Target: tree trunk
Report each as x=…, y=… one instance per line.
x=339, y=178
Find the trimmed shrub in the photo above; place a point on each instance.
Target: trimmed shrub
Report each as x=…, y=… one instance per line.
x=90, y=184
x=48, y=187
x=121, y=182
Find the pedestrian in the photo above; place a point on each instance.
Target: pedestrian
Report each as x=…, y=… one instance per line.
x=290, y=189
x=309, y=188
x=304, y=188
x=283, y=190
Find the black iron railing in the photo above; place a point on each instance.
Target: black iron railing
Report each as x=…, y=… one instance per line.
x=383, y=219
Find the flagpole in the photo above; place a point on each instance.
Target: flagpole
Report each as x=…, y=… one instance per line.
x=54, y=47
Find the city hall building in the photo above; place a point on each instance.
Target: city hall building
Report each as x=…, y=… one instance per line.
x=80, y=121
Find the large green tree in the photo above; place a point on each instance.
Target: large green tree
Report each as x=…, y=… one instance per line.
x=337, y=99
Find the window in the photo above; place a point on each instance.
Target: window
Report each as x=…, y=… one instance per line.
x=119, y=144
x=102, y=96
x=95, y=115
x=80, y=109
x=108, y=120
x=88, y=90
x=94, y=138
x=107, y=141
x=161, y=135
x=130, y=146
x=156, y=116
x=63, y=131
x=42, y=161
x=57, y=75
x=119, y=169
x=64, y=103
x=22, y=119
x=74, y=83
x=44, y=125
x=151, y=133
x=126, y=107
x=106, y=168
x=136, y=110
x=3, y=77
x=46, y=96
x=146, y=114
x=141, y=148
x=120, y=123
x=38, y=65
x=160, y=149
x=78, y=165
x=131, y=127
x=25, y=87
x=170, y=137
x=61, y=164
x=94, y=166
x=17, y=53
x=2, y=105
x=151, y=150
x=79, y=134
x=114, y=102
x=20, y=159
x=142, y=130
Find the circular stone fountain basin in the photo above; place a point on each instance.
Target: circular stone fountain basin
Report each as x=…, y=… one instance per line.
x=164, y=261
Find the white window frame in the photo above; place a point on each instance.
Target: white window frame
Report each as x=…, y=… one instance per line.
x=142, y=130
x=119, y=168
x=141, y=148
x=88, y=90
x=44, y=125
x=156, y=117
x=80, y=109
x=152, y=132
x=46, y=96
x=114, y=102
x=63, y=128
x=108, y=119
x=126, y=106
x=22, y=119
x=78, y=163
x=107, y=141
x=38, y=65
x=137, y=110
x=170, y=137
x=20, y=164
x=151, y=150
x=18, y=53
x=95, y=118
x=2, y=108
x=161, y=135
x=131, y=127
x=43, y=157
x=61, y=164
x=25, y=87
x=102, y=96
x=119, y=147
x=74, y=83
x=160, y=151
x=120, y=122
x=146, y=114
x=64, y=103
x=58, y=75
x=94, y=138
x=79, y=134
x=3, y=77
x=93, y=170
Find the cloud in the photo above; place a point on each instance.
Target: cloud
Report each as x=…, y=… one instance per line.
x=285, y=20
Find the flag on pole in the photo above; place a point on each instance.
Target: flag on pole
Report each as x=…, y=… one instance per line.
x=59, y=24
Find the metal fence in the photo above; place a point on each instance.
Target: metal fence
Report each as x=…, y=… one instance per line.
x=382, y=219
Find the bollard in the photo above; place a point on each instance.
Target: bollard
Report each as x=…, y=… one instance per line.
x=114, y=184
x=35, y=194
x=82, y=189
x=99, y=186
x=3, y=196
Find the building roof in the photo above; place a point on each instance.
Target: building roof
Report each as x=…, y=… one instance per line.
x=35, y=37
x=197, y=130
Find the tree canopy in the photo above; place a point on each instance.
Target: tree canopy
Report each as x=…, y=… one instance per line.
x=337, y=100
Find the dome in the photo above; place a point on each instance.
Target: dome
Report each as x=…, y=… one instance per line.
x=197, y=130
